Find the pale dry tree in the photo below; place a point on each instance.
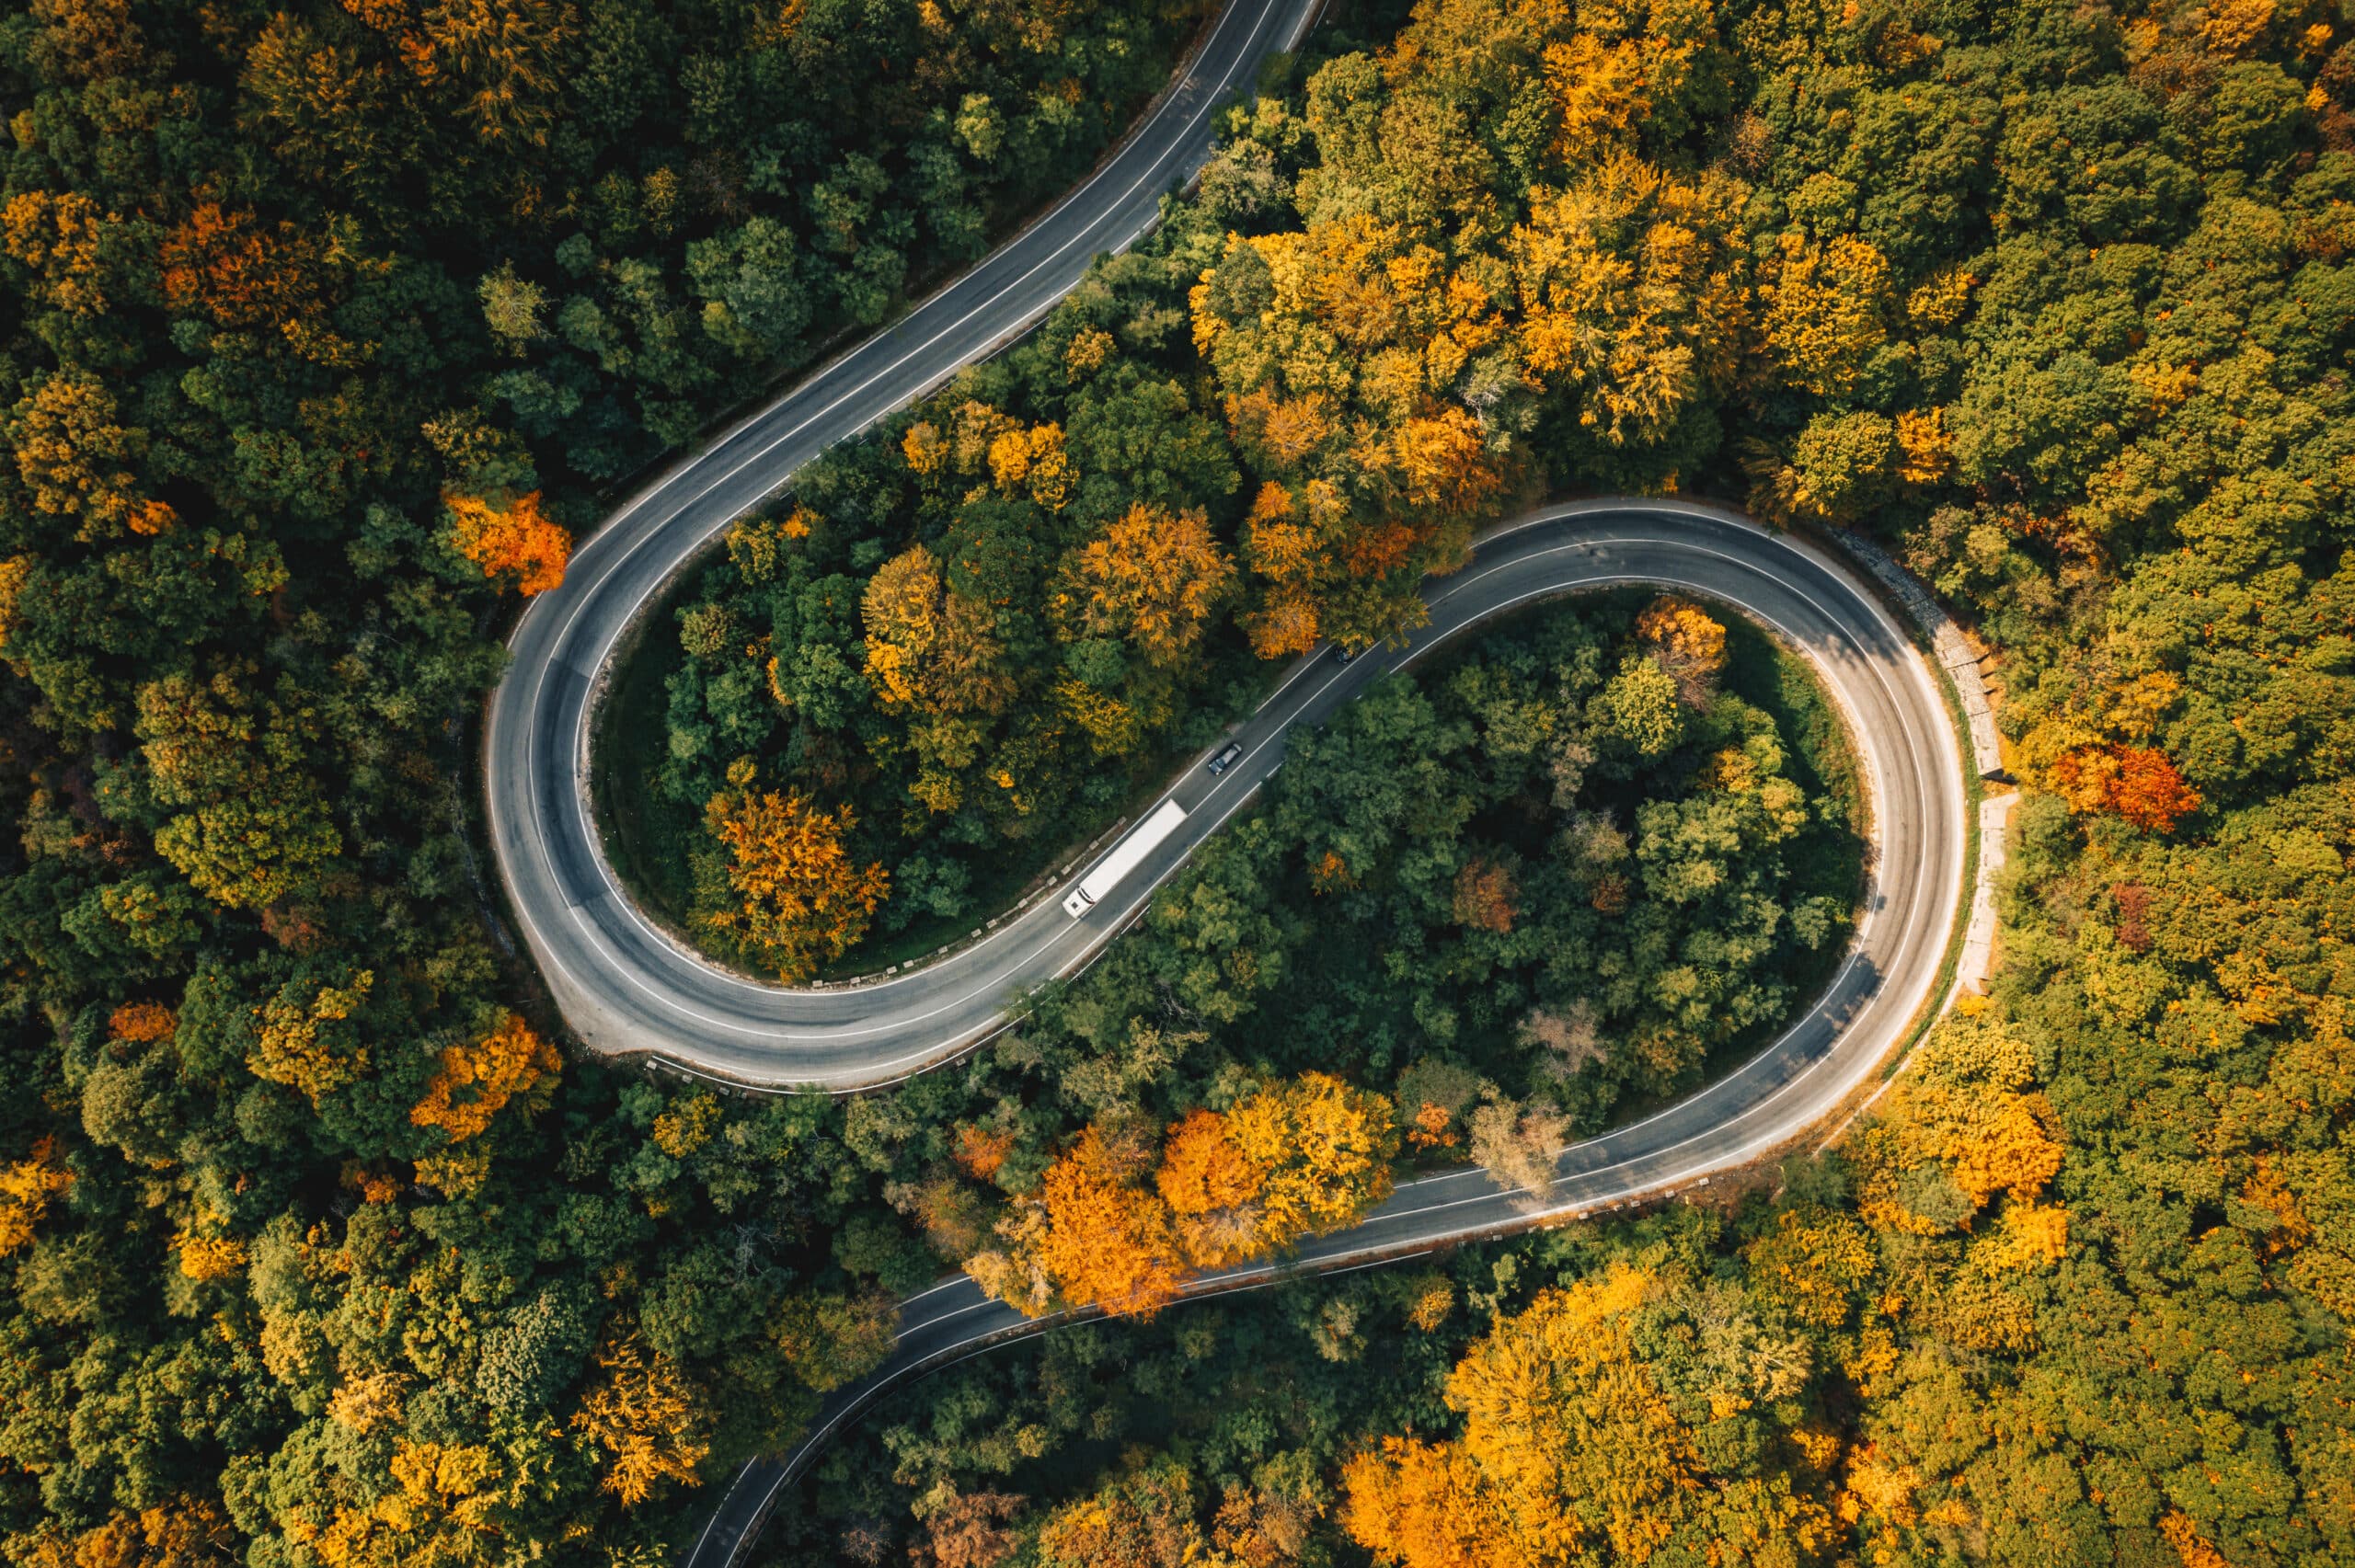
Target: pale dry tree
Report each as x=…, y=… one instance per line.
x=1517, y=1144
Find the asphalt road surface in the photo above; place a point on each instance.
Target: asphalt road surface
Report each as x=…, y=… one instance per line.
x=626, y=988
x=1913, y=764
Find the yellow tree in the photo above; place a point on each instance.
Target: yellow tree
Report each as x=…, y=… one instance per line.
x=496, y=64
x=901, y=608
x=1153, y=579
x=1148, y=1519
x=1286, y=541
x=1031, y=462
x=309, y=1039
x=1569, y=1450
x=1446, y=465
x=14, y=572
x=76, y=460
x=179, y=1532
x=253, y=828
x=1611, y=78
x=1324, y=1148
x=927, y=648
x=65, y=239
x=1968, y=1108
x=1211, y=1188
x=1812, y=1266
x=1599, y=93
x=801, y=901
x=1418, y=1504
x=1108, y=1242
x=26, y=1189
x=242, y=272
x=1486, y=896
x=1339, y=349
x=1630, y=285
x=645, y=1416
x=1684, y=641
x=1825, y=312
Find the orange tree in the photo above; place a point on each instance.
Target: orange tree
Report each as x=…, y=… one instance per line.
x=1116, y=1225
x=512, y=539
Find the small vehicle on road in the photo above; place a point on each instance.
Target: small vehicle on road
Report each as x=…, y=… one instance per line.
x=1225, y=759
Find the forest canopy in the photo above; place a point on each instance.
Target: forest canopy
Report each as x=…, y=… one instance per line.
x=2052, y=298
x=321, y=327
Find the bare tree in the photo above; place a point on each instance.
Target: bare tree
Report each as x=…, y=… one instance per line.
x=1568, y=1037
x=1517, y=1144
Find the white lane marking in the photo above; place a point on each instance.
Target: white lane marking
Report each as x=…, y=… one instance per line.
x=695, y=466
x=999, y=983
x=1210, y=100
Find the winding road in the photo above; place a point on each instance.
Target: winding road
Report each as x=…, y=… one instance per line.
x=1913, y=763
x=627, y=987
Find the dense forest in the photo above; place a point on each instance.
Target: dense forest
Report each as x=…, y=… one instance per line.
x=1680, y=1388
x=1487, y=905
x=322, y=323
x=2054, y=298
x=319, y=1251
x=318, y=326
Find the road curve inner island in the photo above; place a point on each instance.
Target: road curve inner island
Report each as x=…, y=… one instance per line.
x=621, y=984
x=1912, y=766
x=627, y=987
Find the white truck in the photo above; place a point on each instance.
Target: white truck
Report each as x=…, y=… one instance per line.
x=1126, y=855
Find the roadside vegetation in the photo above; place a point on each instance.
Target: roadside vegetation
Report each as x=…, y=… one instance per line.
x=1490, y=901
x=319, y=325
x=2054, y=298
x=959, y=650
x=1662, y=1387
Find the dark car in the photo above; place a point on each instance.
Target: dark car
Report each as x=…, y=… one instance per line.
x=1225, y=759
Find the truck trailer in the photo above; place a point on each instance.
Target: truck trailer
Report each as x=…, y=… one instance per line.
x=1125, y=857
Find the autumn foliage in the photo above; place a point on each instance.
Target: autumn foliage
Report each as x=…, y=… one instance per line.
x=1685, y=643
x=2137, y=783
x=63, y=239
x=1571, y=1448
x=475, y=1080
x=25, y=1187
x=209, y=1257
x=1108, y=1242
x=240, y=270
x=1486, y=896
x=1117, y=1227
x=310, y=1039
x=76, y=459
x=801, y=899
x=512, y=538
x=175, y=1532
x=645, y=1417
x=1152, y=579
x=1568, y=1448
x=1211, y=1188
x=928, y=646
x=1968, y=1109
